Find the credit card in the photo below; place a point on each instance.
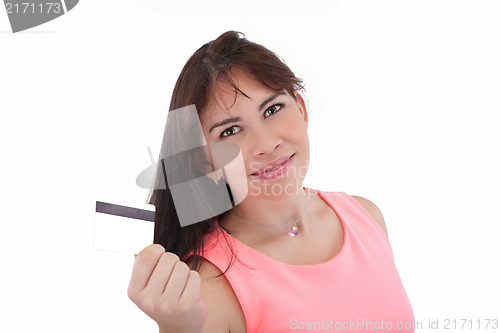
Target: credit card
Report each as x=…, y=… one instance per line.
x=123, y=226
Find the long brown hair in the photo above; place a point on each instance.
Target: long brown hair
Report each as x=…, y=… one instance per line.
x=202, y=76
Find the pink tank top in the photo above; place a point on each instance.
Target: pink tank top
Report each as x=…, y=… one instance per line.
x=358, y=290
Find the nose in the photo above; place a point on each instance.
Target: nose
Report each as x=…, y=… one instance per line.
x=265, y=141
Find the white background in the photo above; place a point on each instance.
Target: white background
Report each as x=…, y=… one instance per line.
x=404, y=103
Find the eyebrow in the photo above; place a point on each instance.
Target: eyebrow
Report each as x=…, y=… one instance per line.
x=236, y=119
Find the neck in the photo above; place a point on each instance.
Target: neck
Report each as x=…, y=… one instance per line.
x=269, y=212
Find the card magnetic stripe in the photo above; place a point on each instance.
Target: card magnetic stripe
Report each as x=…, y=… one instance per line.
x=118, y=210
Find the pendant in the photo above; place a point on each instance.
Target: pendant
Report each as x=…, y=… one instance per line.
x=293, y=232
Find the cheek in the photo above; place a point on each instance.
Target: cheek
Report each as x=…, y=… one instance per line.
x=295, y=129
x=291, y=117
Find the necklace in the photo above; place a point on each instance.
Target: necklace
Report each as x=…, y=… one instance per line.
x=292, y=232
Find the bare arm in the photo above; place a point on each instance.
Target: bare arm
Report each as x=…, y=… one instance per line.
x=224, y=311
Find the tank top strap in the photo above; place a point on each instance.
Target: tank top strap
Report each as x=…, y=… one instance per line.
x=364, y=230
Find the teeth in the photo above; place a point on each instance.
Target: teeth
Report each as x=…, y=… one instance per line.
x=256, y=173
x=275, y=167
x=272, y=169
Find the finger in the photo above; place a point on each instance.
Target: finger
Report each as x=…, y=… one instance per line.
x=191, y=292
x=161, y=274
x=176, y=282
x=144, y=265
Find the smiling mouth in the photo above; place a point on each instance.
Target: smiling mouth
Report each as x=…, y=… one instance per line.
x=270, y=170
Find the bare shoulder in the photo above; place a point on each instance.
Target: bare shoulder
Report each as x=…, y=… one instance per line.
x=224, y=310
x=374, y=211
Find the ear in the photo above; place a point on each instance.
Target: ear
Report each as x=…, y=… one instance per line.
x=302, y=107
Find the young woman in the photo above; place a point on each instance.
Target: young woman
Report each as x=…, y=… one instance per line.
x=287, y=257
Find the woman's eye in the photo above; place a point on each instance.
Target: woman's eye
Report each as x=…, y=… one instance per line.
x=275, y=108
x=230, y=129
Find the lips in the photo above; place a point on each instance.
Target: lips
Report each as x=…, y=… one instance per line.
x=272, y=165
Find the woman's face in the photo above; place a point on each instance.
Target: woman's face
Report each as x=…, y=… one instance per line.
x=268, y=126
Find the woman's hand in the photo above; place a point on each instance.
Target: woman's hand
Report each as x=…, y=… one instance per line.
x=167, y=291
